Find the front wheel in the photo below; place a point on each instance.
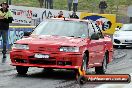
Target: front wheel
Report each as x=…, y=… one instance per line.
x=21, y=70
x=82, y=71
x=81, y=80
x=102, y=69
x=84, y=63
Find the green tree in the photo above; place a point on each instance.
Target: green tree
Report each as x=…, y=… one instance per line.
x=128, y=2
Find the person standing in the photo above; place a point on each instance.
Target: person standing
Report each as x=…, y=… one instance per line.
x=69, y=2
x=5, y=19
x=46, y=4
x=75, y=4
x=9, y=1
x=102, y=6
x=60, y=15
x=51, y=4
x=74, y=15
x=41, y=3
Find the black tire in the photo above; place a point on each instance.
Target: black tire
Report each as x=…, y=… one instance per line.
x=48, y=70
x=81, y=80
x=83, y=66
x=115, y=46
x=21, y=70
x=84, y=63
x=102, y=69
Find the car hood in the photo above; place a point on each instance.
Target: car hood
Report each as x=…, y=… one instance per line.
x=124, y=33
x=53, y=40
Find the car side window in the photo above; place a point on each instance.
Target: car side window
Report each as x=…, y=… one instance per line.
x=98, y=31
x=91, y=29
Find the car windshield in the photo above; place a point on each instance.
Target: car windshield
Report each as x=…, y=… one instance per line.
x=127, y=27
x=62, y=28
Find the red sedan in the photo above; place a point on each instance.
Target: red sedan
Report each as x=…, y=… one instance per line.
x=63, y=44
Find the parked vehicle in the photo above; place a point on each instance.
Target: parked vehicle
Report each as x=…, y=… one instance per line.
x=123, y=37
x=63, y=44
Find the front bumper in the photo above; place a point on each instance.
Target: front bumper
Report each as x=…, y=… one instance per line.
x=57, y=60
x=46, y=66
x=122, y=41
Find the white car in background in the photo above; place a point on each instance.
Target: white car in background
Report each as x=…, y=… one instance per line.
x=123, y=37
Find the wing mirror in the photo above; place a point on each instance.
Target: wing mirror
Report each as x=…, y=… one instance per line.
x=95, y=36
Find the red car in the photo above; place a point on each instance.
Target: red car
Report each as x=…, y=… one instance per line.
x=63, y=44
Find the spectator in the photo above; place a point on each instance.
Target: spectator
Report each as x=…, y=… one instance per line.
x=102, y=6
x=74, y=15
x=9, y=1
x=51, y=4
x=46, y=4
x=69, y=2
x=60, y=15
x=75, y=4
x=5, y=19
x=41, y=3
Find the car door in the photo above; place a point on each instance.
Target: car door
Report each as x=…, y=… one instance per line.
x=92, y=46
x=100, y=45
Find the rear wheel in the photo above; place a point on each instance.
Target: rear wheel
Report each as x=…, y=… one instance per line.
x=102, y=69
x=21, y=70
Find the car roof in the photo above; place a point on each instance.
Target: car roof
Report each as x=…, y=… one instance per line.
x=72, y=19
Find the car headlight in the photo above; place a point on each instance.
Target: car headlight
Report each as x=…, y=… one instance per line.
x=20, y=46
x=69, y=49
x=116, y=35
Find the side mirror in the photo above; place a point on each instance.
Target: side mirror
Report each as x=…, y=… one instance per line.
x=95, y=36
x=26, y=34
